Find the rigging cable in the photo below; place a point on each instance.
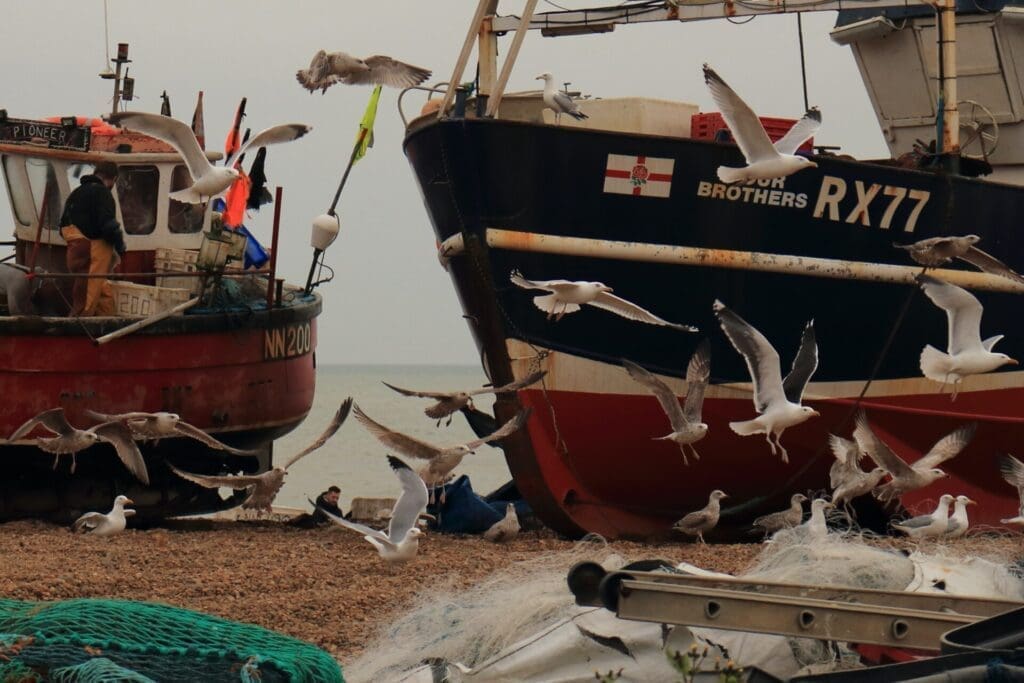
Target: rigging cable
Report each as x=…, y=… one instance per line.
x=803, y=61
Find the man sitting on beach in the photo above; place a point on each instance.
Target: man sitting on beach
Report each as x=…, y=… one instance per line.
x=328, y=500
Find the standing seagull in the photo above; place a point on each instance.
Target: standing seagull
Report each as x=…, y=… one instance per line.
x=1013, y=472
x=402, y=539
x=506, y=528
x=817, y=525
x=705, y=519
x=70, y=440
x=264, y=486
x=450, y=401
x=777, y=400
x=557, y=101
x=966, y=354
x=784, y=519
x=568, y=295
x=847, y=480
x=328, y=68
x=764, y=160
x=927, y=526
x=441, y=461
x=163, y=425
x=99, y=524
x=687, y=428
x=958, y=522
x=208, y=180
x=924, y=470
x=938, y=251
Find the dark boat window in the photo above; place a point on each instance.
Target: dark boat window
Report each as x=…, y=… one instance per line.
x=137, y=188
x=183, y=217
x=24, y=212
x=42, y=177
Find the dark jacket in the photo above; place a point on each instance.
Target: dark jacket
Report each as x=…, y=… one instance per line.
x=90, y=208
x=318, y=516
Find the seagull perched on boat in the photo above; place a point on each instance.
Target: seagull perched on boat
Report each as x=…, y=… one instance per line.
x=208, y=180
x=328, y=68
x=846, y=479
x=1013, y=472
x=687, y=427
x=777, y=400
x=163, y=425
x=784, y=519
x=958, y=522
x=440, y=460
x=70, y=440
x=705, y=519
x=263, y=487
x=928, y=526
x=558, y=101
x=938, y=251
x=506, y=528
x=99, y=524
x=966, y=353
x=905, y=477
x=448, y=402
x=568, y=295
x=816, y=525
x=402, y=538
x=764, y=159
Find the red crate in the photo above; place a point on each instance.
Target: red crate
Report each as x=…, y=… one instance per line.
x=706, y=127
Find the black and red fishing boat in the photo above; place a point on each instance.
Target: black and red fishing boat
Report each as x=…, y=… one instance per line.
x=630, y=198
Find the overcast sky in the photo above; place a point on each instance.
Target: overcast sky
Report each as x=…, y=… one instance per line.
x=391, y=302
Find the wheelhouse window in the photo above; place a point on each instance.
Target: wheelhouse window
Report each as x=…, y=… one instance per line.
x=183, y=217
x=137, y=189
x=42, y=178
x=19, y=191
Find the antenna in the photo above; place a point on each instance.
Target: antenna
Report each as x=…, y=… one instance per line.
x=106, y=73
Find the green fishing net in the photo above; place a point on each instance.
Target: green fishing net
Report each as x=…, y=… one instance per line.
x=102, y=641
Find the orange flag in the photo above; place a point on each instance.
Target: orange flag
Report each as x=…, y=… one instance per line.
x=235, y=199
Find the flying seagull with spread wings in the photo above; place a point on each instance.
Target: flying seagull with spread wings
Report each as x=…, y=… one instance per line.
x=1013, y=473
x=448, y=402
x=938, y=251
x=328, y=68
x=401, y=541
x=208, y=180
x=966, y=353
x=687, y=428
x=70, y=440
x=764, y=159
x=776, y=400
x=440, y=460
x=163, y=425
x=847, y=480
x=567, y=296
x=558, y=101
x=265, y=486
x=906, y=477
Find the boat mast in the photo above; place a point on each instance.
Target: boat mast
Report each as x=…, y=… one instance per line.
x=948, y=123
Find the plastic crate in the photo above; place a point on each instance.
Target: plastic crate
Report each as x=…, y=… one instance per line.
x=177, y=261
x=140, y=301
x=707, y=126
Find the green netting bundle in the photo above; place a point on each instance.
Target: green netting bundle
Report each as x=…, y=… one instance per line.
x=100, y=641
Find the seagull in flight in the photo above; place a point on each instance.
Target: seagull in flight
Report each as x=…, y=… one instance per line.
x=99, y=524
x=938, y=251
x=776, y=400
x=966, y=353
x=906, y=477
x=928, y=526
x=566, y=296
x=1013, y=472
x=558, y=101
x=208, y=180
x=440, y=460
x=764, y=159
x=448, y=402
x=687, y=427
x=846, y=479
x=163, y=425
x=402, y=539
x=328, y=68
x=264, y=487
x=70, y=440
x=705, y=519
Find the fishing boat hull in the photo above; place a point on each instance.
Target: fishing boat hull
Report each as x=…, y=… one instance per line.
x=648, y=216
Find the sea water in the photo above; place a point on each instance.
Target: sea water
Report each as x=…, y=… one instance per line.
x=353, y=459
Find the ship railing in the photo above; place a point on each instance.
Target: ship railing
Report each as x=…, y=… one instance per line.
x=437, y=88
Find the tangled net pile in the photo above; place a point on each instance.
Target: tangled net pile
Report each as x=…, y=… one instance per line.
x=95, y=641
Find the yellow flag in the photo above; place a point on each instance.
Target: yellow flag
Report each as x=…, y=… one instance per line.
x=365, y=138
